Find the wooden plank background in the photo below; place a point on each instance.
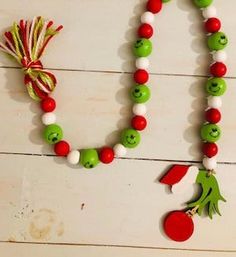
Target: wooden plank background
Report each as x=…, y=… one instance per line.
x=50, y=209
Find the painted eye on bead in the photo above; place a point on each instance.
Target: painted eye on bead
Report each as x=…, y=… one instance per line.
x=89, y=158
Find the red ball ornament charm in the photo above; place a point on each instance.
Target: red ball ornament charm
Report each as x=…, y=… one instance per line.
x=48, y=104
x=213, y=115
x=61, y=148
x=178, y=226
x=154, y=6
x=145, y=31
x=106, y=155
x=212, y=25
x=218, y=69
x=138, y=122
x=141, y=76
x=210, y=149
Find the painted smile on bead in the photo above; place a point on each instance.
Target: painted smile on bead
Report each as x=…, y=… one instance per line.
x=223, y=40
x=137, y=93
x=214, y=133
x=131, y=140
x=139, y=43
x=215, y=87
x=88, y=165
x=53, y=137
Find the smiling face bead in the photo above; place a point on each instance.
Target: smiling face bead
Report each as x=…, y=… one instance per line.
x=210, y=133
x=202, y=3
x=217, y=41
x=130, y=138
x=89, y=158
x=142, y=47
x=216, y=86
x=140, y=94
x=53, y=134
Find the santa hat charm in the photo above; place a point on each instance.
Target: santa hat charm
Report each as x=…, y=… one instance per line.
x=180, y=177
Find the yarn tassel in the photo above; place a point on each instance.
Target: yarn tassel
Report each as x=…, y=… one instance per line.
x=26, y=42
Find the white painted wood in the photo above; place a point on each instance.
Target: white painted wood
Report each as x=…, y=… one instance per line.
x=25, y=250
x=94, y=107
x=43, y=200
x=86, y=42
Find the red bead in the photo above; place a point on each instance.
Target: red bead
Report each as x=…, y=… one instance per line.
x=139, y=122
x=178, y=226
x=106, y=155
x=48, y=104
x=141, y=76
x=145, y=31
x=210, y=149
x=212, y=25
x=61, y=148
x=218, y=69
x=213, y=115
x=154, y=6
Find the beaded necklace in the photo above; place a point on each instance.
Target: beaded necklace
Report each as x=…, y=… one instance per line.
x=26, y=42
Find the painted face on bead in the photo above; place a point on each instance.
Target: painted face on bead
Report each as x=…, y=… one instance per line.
x=130, y=138
x=223, y=40
x=53, y=137
x=142, y=47
x=53, y=133
x=217, y=41
x=216, y=86
x=89, y=158
x=140, y=93
x=139, y=43
x=210, y=133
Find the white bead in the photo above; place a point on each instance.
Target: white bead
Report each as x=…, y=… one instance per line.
x=119, y=150
x=214, y=102
x=209, y=12
x=142, y=63
x=209, y=163
x=219, y=56
x=49, y=118
x=73, y=157
x=139, y=109
x=148, y=18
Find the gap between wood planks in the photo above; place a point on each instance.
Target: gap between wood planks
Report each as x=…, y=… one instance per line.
x=123, y=158
x=122, y=246
x=121, y=72
x=117, y=72
x=119, y=158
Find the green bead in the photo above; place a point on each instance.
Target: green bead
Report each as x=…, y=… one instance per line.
x=202, y=3
x=89, y=158
x=210, y=132
x=216, y=86
x=140, y=93
x=130, y=138
x=142, y=47
x=217, y=41
x=53, y=134
x=165, y=1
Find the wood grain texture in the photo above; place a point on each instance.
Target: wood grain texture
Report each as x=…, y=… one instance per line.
x=89, y=102
x=97, y=38
x=124, y=204
x=52, y=209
